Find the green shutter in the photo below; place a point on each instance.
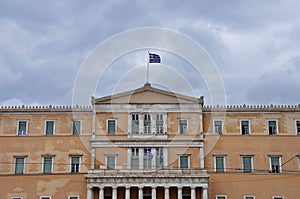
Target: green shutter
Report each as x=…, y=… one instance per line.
x=111, y=162
x=220, y=164
x=184, y=162
x=247, y=166
x=49, y=127
x=48, y=165
x=111, y=126
x=19, y=166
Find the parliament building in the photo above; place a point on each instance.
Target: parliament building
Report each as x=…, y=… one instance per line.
x=150, y=143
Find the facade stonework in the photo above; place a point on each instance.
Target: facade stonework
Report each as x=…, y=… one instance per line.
x=149, y=143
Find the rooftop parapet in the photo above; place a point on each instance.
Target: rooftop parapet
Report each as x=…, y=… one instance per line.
x=251, y=108
x=49, y=108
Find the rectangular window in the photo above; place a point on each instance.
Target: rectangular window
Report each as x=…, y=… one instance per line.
x=111, y=127
x=218, y=127
x=75, y=164
x=275, y=162
x=76, y=127
x=147, y=158
x=111, y=162
x=22, y=128
x=16, y=197
x=219, y=164
x=272, y=126
x=49, y=127
x=147, y=123
x=277, y=197
x=247, y=164
x=249, y=197
x=159, y=157
x=135, y=123
x=47, y=164
x=134, y=158
x=221, y=197
x=245, y=127
x=73, y=197
x=183, y=126
x=159, y=124
x=19, y=165
x=298, y=127
x=45, y=197
x=184, y=162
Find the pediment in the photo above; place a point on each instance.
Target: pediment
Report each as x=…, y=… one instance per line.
x=147, y=95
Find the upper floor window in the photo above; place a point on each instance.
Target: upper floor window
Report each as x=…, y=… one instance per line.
x=73, y=197
x=47, y=164
x=148, y=158
x=19, y=165
x=273, y=127
x=275, y=164
x=249, y=197
x=147, y=123
x=22, y=127
x=277, y=197
x=111, y=126
x=245, y=127
x=75, y=164
x=218, y=127
x=135, y=123
x=220, y=164
x=298, y=127
x=184, y=161
x=49, y=127
x=221, y=197
x=159, y=124
x=247, y=164
x=45, y=197
x=159, y=157
x=183, y=126
x=76, y=127
x=111, y=162
x=16, y=197
x=134, y=158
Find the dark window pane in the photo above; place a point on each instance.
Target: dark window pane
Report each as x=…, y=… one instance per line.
x=19, y=168
x=111, y=126
x=49, y=127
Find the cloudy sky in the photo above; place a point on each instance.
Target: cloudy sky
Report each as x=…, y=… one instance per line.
x=254, y=44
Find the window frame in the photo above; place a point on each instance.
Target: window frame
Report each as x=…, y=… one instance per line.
x=24, y=163
x=147, y=158
x=80, y=129
x=218, y=196
x=45, y=131
x=187, y=126
x=277, y=197
x=215, y=163
x=214, y=126
x=252, y=164
x=79, y=166
x=48, y=197
x=157, y=118
x=296, y=121
x=18, y=126
x=249, y=126
x=135, y=117
x=188, y=159
x=77, y=197
x=277, y=126
x=107, y=126
x=279, y=161
x=115, y=161
x=245, y=197
x=43, y=164
x=16, y=197
x=135, y=157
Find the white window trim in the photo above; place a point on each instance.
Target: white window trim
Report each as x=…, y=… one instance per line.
x=16, y=164
x=14, y=197
x=215, y=162
x=296, y=120
x=52, y=163
x=74, y=196
x=277, y=126
x=270, y=162
x=221, y=196
x=249, y=122
x=27, y=123
x=46, y=129
x=189, y=161
x=273, y=197
x=74, y=156
x=111, y=119
x=187, y=126
x=80, y=130
x=218, y=119
x=45, y=196
x=110, y=155
x=252, y=164
x=249, y=196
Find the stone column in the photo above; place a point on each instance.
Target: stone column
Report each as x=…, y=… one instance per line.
x=179, y=192
x=202, y=157
x=167, y=194
x=153, y=193
x=114, y=192
x=193, y=192
x=140, y=192
x=153, y=160
x=141, y=123
x=204, y=193
x=141, y=158
x=101, y=192
x=127, y=192
x=89, y=193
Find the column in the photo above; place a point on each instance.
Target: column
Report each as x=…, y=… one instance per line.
x=179, y=192
x=127, y=192
x=89, y=193
x=167, y=194
x=129, y=154
x=166, y=163
x=140, y=192
x=101, y=192
x=93, y=159
x=153, y=193
x=114, y=192
x=204, y=193
x=202, y=157
x=193, y=193
x=141, y=158
x=141, y=123
x=153, y=160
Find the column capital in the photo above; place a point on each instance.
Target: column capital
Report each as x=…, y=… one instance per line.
x=140, y=186
x=179, y=186
x=205, y=186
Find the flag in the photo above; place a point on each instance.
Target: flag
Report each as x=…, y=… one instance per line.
x=154, y=58
x=149, y=154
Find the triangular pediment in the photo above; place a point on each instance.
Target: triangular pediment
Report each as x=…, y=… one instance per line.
x=147, y=95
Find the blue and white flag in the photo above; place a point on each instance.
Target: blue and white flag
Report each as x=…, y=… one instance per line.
x=154, y=58
x=149, y=154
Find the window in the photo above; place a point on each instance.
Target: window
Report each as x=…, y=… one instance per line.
x=19, y=165
x=184, y=162
x=45, y=197
x=22, y=127
x=147, y=123
x=298, y=127
x=111, y=162
x=49, y=127
x=111, y=126
x=277, y=197
x=47, y=164
x=249, y=197
x=75, y=164
x=218, y=127
x=73, y=197
x=16, y=197
x=219, y=164
x=247, y=164
x=76, y=127
x=245, y=127
x=134, y=158
x=275, y=162
x=272, y=126
x=221, y=197
x=159, y=157
x=183, y=126
x=147, y=158
x=159, y=124
x=135, y=123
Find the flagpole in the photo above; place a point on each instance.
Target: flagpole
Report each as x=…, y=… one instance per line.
x=148, y=68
